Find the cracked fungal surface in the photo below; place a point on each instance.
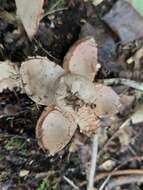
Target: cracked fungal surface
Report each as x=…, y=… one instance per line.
x=93, y=104
x=39, y=76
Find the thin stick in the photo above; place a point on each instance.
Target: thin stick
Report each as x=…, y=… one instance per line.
x=129, y=172
x=70, y=183
x=105, y=182
x=44, y=50
x=131, y=83
x=93, y=163
x=124, y=180
x=119, y=173
x=125, y=124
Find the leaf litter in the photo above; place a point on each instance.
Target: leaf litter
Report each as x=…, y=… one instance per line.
x=30, y=17
x=74, y=101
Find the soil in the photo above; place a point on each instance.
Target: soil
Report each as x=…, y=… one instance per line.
x=23, y=165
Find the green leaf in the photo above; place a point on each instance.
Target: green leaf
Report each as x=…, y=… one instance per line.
x=138, y=5
x=43, y=185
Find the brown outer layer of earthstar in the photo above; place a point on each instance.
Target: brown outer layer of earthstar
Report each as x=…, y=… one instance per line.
x=55, y=129
x=82, y=58
x=107, y=101
x=9, y=76
x=39, y=76
x=101, y=112
x=97, y=101
x=87, y=120
x=76, y=85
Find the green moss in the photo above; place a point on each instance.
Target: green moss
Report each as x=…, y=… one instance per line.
x=1, y=157
x=15, y=143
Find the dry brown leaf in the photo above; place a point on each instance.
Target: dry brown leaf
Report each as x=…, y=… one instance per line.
x=82, y=58
x=39, y=76
x=30, y=13
x=9, y=76
x=55, y=129
x=128, y=133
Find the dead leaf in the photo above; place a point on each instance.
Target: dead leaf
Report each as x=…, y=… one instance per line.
x=55, y=129
x=39, y=76
x=128, y=133
x=125, y=21
x=30, y=13
x=82, y=58
x=9, y=76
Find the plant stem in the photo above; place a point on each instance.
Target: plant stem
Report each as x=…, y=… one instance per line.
x=131, y=83
x=93, y=163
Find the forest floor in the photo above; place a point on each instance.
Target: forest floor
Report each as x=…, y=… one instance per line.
x=23, y=165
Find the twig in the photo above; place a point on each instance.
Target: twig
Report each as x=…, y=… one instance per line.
x=42, y=175
x=123, y=180
x=116, y=173
x=44, y=50
x=71, y=183
x=137, y=158
x=120, y=173
x=105, y=182
x=130, y=83
x=93, y=163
